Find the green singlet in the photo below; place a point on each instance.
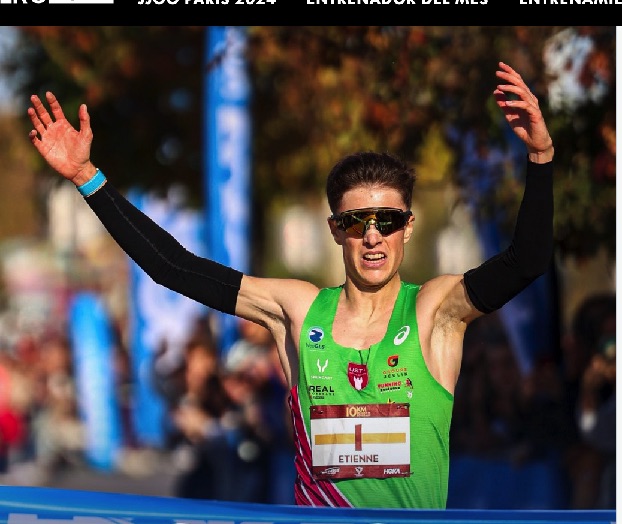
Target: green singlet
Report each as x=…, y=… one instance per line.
x=371, y=426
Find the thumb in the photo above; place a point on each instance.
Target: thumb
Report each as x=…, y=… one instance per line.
x=85, y=121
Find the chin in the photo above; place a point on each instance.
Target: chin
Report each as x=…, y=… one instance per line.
x=374, y=281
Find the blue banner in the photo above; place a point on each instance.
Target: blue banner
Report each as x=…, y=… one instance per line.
x=161, y=320
x=227, y=157
x=93, y=354
x=26, y=505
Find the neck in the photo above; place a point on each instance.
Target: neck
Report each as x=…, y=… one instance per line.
x=372, y=298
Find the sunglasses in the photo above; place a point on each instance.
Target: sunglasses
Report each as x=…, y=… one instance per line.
x=386, y=220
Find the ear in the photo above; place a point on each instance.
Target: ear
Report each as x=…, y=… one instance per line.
x=337, y=236
x=408, y=228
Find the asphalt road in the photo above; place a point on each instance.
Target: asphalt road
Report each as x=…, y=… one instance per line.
x=142, y=473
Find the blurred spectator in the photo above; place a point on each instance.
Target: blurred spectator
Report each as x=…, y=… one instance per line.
x=13, y=406
x=593, y=323
x=255, y=379
x=207, y=462
x=548, y=428
x=58, y=431
x=597, y=416
x=508, y=430
x=493, y=426
x=124, y=390
x=221, y=422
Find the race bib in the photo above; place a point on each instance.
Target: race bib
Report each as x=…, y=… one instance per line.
x=360, y=441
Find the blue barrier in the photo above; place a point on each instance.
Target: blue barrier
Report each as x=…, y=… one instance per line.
x=36, y=505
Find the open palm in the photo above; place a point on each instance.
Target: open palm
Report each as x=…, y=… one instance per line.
x=63, y=147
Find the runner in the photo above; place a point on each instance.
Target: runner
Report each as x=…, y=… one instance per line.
x=372, y=363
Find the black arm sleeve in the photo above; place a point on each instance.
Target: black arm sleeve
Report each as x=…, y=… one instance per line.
x=529, y=255
x=162, y=257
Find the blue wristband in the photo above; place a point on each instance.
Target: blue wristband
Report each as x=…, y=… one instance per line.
x=88, y=188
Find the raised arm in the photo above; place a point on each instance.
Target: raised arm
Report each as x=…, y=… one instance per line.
x=161, y=256
x=529, y=255
x=448, y=303
x=277, y=304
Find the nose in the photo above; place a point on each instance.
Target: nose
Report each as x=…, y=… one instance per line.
x=371, y=234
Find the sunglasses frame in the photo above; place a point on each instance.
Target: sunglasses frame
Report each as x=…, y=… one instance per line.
x=380, y=226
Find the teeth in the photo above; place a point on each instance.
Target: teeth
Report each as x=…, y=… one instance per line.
x=374, y=256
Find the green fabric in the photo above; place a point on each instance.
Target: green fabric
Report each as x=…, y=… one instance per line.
x=323, y=380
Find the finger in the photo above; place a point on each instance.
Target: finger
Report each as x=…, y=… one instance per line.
x=510, y=74
x=34, y=139
x=85, y=120
x=513, y=78
x=57, y=110
x=33, y=136
x=507, y=67
x=41, y=111
x=523, y=94
x=511, y=106
x=519, y=88
x=39, y=127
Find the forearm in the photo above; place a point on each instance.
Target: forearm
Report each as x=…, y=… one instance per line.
x=162, y=257
x=502, y=277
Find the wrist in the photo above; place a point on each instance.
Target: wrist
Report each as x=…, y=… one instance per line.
x=93, y=184
x=84, y=174
x=541, y=157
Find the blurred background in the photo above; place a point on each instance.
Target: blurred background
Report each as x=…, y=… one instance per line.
x=225, y=136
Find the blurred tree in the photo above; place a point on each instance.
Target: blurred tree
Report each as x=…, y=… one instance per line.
x=321, y=92
x=143, y=87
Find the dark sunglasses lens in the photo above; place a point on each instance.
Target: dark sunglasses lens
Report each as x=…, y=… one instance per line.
x=388, y=221
x=354, y=223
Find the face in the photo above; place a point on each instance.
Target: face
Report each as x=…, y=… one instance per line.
x=373, y=260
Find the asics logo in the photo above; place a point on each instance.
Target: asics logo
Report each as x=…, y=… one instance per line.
x=401, y=335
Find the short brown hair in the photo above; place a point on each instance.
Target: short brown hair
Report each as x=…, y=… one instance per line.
x=369, y=169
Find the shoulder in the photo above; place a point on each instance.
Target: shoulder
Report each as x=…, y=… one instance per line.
x=444, y=297
x=437, y=289
x=277, y=297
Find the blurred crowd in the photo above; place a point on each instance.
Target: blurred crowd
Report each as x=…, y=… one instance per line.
x=228, y=425
x=561, y=414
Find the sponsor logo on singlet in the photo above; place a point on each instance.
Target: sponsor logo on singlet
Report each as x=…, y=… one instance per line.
x=321, y=392
x=358, y=375
x=393, y=373
x=394, y=385
x=315, y=335
x=402, y=335
x=321, y=365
